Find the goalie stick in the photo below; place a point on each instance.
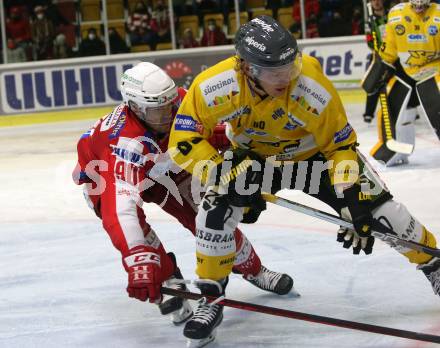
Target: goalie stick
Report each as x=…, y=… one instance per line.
x=391, y=143
x=379, y=230
x=305, y=316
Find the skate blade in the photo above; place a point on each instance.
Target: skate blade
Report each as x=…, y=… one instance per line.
x=193, y=343
x=182, y=315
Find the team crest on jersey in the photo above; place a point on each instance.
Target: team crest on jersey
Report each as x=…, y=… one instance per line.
x=432, y=30
x=310, y=95
x=220, y=88
x=400, y=29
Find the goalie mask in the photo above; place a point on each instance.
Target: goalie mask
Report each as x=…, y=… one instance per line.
x=270, y=51
x=419, y=5
x=149, y=92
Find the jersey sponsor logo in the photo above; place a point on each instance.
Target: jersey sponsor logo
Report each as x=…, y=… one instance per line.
x=214, y=237
x=129, y=150
x=408, y=19
x=398, y=19
x=251, y=131
x=218, y=89
x=297, y=146
x=185, y=123
x=290, y=127
x=432, y=30
x=417, y=38
x=258, y=45
x=119, y=125
x=296, y=121
x=111, y=119
x=266, y=27
x=278, y=113
x=310, y=95
x=436, y=19
x=244, y=110
x=400, y=29
x=343, y=134
x=292, y=147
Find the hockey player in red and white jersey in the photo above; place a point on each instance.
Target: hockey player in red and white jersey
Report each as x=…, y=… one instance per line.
x=123, y=162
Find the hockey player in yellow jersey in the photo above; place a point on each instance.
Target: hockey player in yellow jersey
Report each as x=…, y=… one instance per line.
x=289, y=130
x=410, y=54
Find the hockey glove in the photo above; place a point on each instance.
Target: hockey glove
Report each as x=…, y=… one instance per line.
x=144, y=274
x=359, y=211
x=237, y=173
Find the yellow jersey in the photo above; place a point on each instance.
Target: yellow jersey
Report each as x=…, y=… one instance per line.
x=414, y=39
x=308, y=118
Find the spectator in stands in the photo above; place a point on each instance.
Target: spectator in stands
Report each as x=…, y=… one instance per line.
x=142, y=28
x=15, y=53
x=188, y=40
x=160, y=15
x=213, y=35
x=336, y=26
x=54, y=15
x=310, y=7
x=92, y=45
x=18, y=28
x=43, y=34
x=357, y=22
x=60, y=47
x=312, y=26
x=117, y=43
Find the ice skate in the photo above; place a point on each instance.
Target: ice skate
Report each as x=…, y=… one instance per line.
x=431, y=270
x=278, y=283
x=179, y=308
x=201, y=328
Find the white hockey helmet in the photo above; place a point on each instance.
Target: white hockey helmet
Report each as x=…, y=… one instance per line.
x=149, y=92
x=419, y=5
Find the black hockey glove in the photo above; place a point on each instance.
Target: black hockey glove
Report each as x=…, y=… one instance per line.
x=359, y=211
x=236, y=173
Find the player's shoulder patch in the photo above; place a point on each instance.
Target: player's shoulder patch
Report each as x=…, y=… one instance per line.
x=110, y=120
x=310, y=95
x=219, y=89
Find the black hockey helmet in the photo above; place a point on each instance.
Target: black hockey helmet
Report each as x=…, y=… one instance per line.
x=265, y=43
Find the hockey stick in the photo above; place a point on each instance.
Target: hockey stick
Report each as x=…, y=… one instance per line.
x=379, y=230
x=306, y=317
x=391, y=143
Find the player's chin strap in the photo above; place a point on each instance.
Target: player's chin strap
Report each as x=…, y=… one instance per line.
x=304, y=316
x=379, y=230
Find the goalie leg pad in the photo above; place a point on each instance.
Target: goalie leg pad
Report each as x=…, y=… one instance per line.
x=397, y=217
x=429, y=97
x=394, y=122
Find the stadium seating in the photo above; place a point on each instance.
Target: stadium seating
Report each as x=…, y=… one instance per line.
x=261, y=11
x=218, y=17
x=115, y=9
x=285, y=17
x=250, y=4
x=191, y=22
x=232, y=22
x=90, y=10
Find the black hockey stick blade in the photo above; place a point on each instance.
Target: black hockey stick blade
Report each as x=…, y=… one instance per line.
x=380, y=231
x=347, y=324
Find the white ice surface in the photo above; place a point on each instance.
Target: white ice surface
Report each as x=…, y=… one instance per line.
x=62, y=283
